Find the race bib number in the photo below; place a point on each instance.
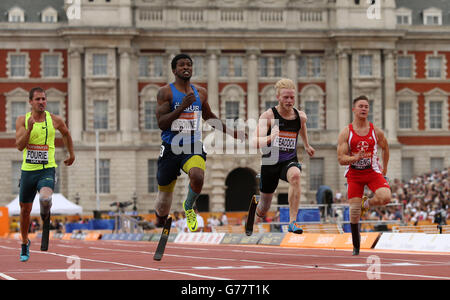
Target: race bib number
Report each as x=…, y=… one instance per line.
x=286, y=141
x=187, y=122
x=363, y=163
x=37, y=154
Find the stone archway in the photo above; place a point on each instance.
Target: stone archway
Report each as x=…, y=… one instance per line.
x=240, y=187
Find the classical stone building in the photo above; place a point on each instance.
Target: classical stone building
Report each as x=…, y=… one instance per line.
x=102, y=62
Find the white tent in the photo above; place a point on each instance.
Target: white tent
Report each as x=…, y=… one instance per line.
x=60, y=206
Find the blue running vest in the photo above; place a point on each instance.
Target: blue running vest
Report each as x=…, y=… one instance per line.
x=187, y=128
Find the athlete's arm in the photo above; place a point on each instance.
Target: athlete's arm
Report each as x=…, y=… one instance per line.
x=382, y=142
x=343, y=150
x=304, y=134
x=213, y=120
x=22, y=134
x=59, y=124
x=164, y=116
x=260, y=138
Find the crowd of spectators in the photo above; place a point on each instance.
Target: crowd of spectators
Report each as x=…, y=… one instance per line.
x=422, y=198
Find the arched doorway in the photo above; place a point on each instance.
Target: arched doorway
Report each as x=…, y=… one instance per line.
x=241, y=186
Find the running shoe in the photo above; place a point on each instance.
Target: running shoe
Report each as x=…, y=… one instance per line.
x=25, y=253
x=364, y=210
x=295, y=228
x=191, y=218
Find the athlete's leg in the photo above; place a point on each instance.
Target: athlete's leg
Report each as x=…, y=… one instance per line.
x=45, y=201
x=264, y=203
x=293, y=177
x=163, y=203
x=382, y=191
x=355, y=215
x=195, y=168
x=355, y=193
x=25, y=220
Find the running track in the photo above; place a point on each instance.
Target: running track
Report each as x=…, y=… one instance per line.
x=117, y=260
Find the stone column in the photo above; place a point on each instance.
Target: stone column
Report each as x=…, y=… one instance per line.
x=343, y=89
x=171, y=52
x=252, y=84
x=390, y=109
x=332, y=97
x=128, y=95
x=75, y=104
x=292, y=55
x=213, y=80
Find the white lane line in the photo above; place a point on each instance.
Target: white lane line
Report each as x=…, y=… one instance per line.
x=127, y=265
x=347, y=270
x=7, y=277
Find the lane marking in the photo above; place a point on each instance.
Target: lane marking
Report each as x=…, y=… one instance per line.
x=3, y=275
x=348, y=270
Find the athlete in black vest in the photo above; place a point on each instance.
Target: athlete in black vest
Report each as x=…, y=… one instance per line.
x=277, y=133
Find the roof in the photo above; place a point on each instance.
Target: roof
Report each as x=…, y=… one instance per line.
x=32, y=9
x=418, y=6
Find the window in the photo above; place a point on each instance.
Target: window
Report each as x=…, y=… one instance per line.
x=263, y=66
x=150, y=121
x=407, y=168
x=151, y=177
x=100, y=114
x=365, y=65
x=312, y=111
x=405, y=66
x=238, y=62
x=53, y=107
x=302, y=67
x=232, y=110
x=15, y=176
x=17, y=109
x=436, y=164
x=316, y=62
x=198, y=66
x=405, y=115
x=18, y=64
x=434, y=67
x=432, y=16
x=371, y=109
x=50, y=65
x=100, y=64
x=16, y=15
x=223, y=66
x=278, y=66
x=104, y=178
x=316, y=173
x=270, y=104
x=403, y=20
x=143, y=66
x=158, y=66
x=435, y=114
x=49, y=15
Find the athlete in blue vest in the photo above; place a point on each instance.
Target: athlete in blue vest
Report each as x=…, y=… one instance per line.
x=181, y=107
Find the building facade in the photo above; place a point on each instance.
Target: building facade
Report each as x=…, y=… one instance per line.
x=102, y=62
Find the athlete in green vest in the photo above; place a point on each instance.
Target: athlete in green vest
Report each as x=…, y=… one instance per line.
x=35, y=136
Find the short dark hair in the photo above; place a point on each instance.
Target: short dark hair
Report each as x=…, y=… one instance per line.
x=177, y=58
x=362, y=97
x=35, y=89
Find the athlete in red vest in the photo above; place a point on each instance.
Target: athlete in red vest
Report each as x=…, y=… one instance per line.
x=358, y=146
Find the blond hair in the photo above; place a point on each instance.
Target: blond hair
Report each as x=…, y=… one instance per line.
x=284, y=83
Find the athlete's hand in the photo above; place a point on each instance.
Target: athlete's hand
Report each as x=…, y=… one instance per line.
x=188, y=100
x=310, y=150
x=69, y=161
x=360, y=155
x=31, y=122
x=275, y=131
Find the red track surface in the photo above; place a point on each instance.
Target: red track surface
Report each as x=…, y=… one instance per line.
x=134, y=260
